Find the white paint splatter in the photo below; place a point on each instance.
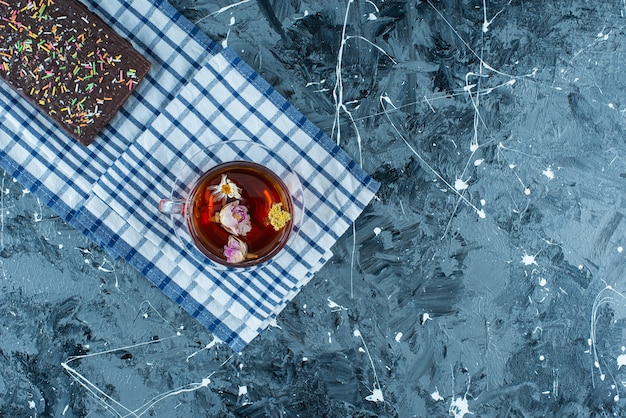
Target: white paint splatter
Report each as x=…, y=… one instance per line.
x=376, y=396
x=222, y=10
x=398, y=336
x=335, y=307
x=210, y=345
x=372, y=16
x=478, y=162
x=31, y=404
x=468, y=87
x=459, y=407
x=548, y=173
x=225, y=40
x=529, y=260
x=377, y=231
x=620, y=249
x=425, y=317
x=273, y=322
x=436, y=396
x=243, y=390
x=542, y=282
x=527, y=191
x=371, y=3
x=603, y=36
x=621, y=360
x=377, y=393
x=460, y=185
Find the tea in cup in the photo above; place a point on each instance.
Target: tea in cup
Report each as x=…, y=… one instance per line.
x=237, y=213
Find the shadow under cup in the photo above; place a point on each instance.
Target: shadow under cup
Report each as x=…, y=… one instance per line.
x=258, y=191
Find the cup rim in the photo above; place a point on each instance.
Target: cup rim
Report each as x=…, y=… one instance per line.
x=285, y=234
x=205, y=160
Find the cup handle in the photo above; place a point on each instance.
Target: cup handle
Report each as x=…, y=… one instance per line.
x=172, y=206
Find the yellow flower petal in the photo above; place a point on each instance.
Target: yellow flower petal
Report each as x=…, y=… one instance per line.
x=278, y=217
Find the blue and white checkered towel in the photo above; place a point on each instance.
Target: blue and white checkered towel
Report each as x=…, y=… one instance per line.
x=61, y=173
x=196, y=95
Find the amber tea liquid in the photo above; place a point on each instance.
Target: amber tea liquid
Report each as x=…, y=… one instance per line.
x=259, y=189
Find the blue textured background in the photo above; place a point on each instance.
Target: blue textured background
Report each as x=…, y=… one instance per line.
x=513, y=108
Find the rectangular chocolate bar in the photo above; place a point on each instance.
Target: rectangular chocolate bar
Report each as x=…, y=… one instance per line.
x=68, y=63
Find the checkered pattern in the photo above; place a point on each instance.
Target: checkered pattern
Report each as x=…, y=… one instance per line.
x=196, y=95
x=62, y=173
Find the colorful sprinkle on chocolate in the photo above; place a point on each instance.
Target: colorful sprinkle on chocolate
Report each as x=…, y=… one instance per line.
x=67, y=62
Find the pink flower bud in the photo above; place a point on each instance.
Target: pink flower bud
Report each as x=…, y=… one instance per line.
x=235, y=218
x=235, y=250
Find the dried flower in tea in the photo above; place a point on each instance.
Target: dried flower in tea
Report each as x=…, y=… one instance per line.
x=226, y=189
x=235, y=218
x=235, y=250
x=278, y=217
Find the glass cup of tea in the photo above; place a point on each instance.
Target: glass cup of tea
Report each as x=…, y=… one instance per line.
x=235, y=203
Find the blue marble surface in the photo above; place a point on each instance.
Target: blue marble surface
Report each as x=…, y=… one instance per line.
x=487, y=279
